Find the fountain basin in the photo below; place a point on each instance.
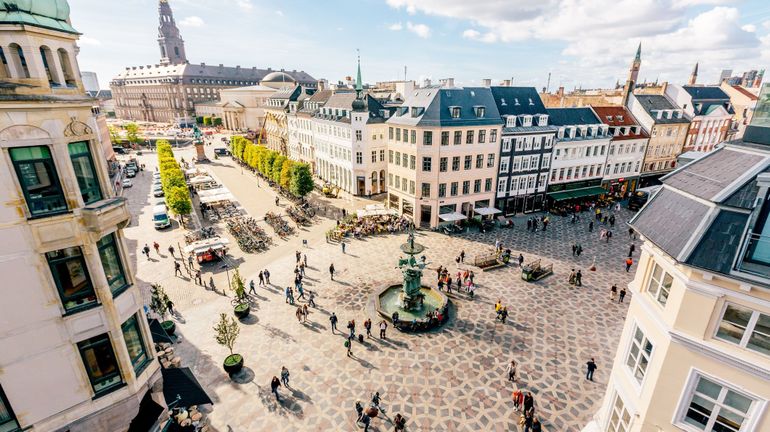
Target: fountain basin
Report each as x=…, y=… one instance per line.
x=389, y=300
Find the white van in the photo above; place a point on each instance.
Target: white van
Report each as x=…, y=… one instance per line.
x=160, y=217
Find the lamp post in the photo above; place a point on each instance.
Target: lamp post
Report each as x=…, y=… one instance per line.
x=227, y=271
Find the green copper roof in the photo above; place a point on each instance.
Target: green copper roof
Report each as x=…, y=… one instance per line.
x=359, y=83
x=50, y=14
x=639, y=52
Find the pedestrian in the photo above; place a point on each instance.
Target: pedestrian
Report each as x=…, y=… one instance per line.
x=613, y=292
x=572, y=276
x=498, y=306
x=399, y=423
x=284, y=376
x=629, y=263
x=333, y=321
x=287, y=294
x=198, y=278
x=261, y=279
x=574, y=249
x=518, y=399
x=579, y=278
x=462, y=256
x=211, y=283
x=298, y=255
x=631, y=250
x=536, y=426
x=511, y=371
x=342, y=243
x=348, y=346
x=591, y=226
x=521, y=260
x=504, y=314
x=631, y=234
x=251, y=287
x=368, y=327
x=579, y=249
x=366, y=420
x=622, y=295
x=177, y=268
x=298, y=314
x=529, y=224
x=590, y=368
x=274, y=384
x=301, y=291
x=529, y=402
x=171, y=251
x=267, y=277
x=305, y=313
x=189, y=259
x=607, y=237
x=276, y=201
x=528, y=420
x=359, y=411
x=304, y=260
x=311, y=298
x=157, y=247
x=146, y=250
x=612, y=221
x=170, y=306
x=383, y=328
x=331, y=270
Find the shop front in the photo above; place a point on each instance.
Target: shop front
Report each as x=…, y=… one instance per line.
x=521, y=204
x=620, y=188
x=566, y=197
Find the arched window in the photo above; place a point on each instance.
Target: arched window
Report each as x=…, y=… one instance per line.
x=18, y=58
x=176, y=51
x=5, y=71
x=69, y=75
x=48, y=64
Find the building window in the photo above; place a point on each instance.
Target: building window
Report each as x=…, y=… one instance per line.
x=85, y=172
x=398, y=158
x=111, y=263
x=660, y=284
x=382, y=155
x=467, y=162
x=444, y=138
x=442, y=165
x=359, y=135
x=132, y=334
x=413, y=136
x=482, y=136
x=639, y=355
x=456, y=163
x=501, y=183
x=100, y=363
x=398, y=134
x=490, y=160
x=390, y=156
x=8, y=422
x=714, y=407
x=487, y=185
x=745, y=327
x=620, y=418
x=466, y=187
x=425, y=189
x=411, y=161
x=426, y=163
x=390, y=133
x=427, y=138
x=374, y=156
x=453, y=189
x=458, y=137
x=38, y=179
x=359, y=158
x=477, y=186
x=480, y=161
x=406, y=135
x=469, y=137
x=442, y=190
x=72, y=279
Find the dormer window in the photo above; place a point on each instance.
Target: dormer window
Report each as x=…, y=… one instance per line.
x=609, y=118
x=526, y=120
x=510, y=121
x=619, y=117
x=561, y=133
x=479, y=111
x=543, y=121
x=455, y=111
x=417, y=111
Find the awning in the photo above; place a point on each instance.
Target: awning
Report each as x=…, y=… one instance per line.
x=181, y=382
x=148, y=414
x=485, y=211
x=589, y=191
x=212, y=243
x=559, y=196
x=452, y=217
x=226, y=196
x=212, y=192
x=201, y=179
x=158, y=334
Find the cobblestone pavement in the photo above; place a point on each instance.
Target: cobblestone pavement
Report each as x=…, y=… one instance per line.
x=452, y=379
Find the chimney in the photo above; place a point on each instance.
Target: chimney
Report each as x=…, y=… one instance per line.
x=486, y=82
x=221, y=65
x=507, y=83
x=238, y=67
x=560, y=92
x=321, y=85
x=447, y=82
x=203, y=64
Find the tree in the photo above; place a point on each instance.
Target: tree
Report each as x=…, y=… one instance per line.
x=172, y=178
x=199, y=120
x=275, y=174
x=158, y=300
x=301, y=180
x=207, y=121
x=267, y=164
x=132, y=133
x=114, y=135
x=287, y=171
x=178, y=200
x=239, y=286
x=227, y=331
x=216, y=121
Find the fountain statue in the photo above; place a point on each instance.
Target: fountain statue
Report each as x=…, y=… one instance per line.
x=411, y=297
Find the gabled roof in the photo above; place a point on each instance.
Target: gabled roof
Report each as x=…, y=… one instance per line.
x=342, y=100
x=518, y=101
x=618, y=116
x=433, y=107
x=745, y=92
x=572, y=116
x=706, y=93
x=652, y=103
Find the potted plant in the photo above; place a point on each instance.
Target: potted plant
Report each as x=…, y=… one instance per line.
x=241, y=307
x=159, y=304
x=227, y=331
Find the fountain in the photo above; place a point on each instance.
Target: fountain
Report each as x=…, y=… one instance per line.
x=408, y=304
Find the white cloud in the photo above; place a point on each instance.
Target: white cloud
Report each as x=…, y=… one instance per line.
x=191, y=21
x=751, y=28
x=420, y=30
x=488, y=37
x=244, y=4
x=395, y=26
x=279, y=13
x=85, y=40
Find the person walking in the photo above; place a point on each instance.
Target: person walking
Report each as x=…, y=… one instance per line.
x=383, y=328
x=299, y=314
x=590, y=369
x=574, y=249
x=189, y=259
x=629, y=263
x=177, y=268
x=198, y=278
x=368, y=327
x=305, y=312
x=622, y=295
x=298, y=255
x=267, y=277
x=287, y=294
x=399, y=423
x=591, y=226
x=251, y=287
x=579, y=278
x=521, y=260
x=631, y=250
x=349, y=347
x=342, y=243
x=170, y=306
x=528, y=402
x=359, y=411
x=333, y=320
x=331, y=270
x=352, y=329
x=171, y=251
x=261, y=279
x=300, y=290
x=311, y=298
x=511, y=371
x=274, y=384
x=156, y=246
x=462, y=256
x=146, y=251
x=613, y=292
x=631, y=234
x=284, y=376
x=504, y=314
x=366, y=420
x=536, y=426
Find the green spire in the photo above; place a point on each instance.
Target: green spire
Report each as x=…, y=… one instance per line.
x=359, y=84
x=639, y=53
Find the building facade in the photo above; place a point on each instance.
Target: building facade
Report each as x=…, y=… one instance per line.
x=443, y=144
x=667, y=126
x=525, y=150
x=168, y=91
x=301, y=125
x=694, y=354
x=710, y=111
x=743, y=101
x=279, y=105
x=579, y=156
x=625, y=155
x=75, y=346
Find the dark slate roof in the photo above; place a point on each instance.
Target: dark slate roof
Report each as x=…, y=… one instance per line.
x=698, y=93
x=572, y=116
x=745, y=196
x=652, y=103
x=719, y=244
x=342, y=100
x=518, y=101
x=433, y=105
x=713, y=173
x=669, y=219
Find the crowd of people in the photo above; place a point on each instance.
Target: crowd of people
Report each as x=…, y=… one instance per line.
x=368, y=226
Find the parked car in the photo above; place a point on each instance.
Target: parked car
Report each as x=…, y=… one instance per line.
x=160, y=217
x=127, y=183
x=221, y=152
x=156, y=175
x=130, y=173
x=157, y=191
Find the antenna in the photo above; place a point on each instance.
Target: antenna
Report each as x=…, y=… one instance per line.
x=548, y=85
x=404, y=73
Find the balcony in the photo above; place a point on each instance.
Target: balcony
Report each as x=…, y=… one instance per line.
x=107, y=213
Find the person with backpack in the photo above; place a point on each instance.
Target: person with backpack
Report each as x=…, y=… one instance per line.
x=349, y=346
x=333, y=320
x=368, y=327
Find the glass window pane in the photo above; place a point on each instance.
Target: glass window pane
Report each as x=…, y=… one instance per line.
x=733, y=323
x=100, y=363
x=113, y=268
x=760, y=338
x=8, y=421
x=737, y=401
x=38, y=179
x=133, y=337
x=71, y=277
x=728, y=422
x=85, y=172
x=708, y=388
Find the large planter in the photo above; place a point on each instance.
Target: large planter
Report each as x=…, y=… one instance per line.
x=169, y=327
x=233, y=363
x=242, y=310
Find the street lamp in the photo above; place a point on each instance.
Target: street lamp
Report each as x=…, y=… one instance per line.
x=227, y=271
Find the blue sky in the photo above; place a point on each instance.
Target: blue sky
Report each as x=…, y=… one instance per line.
x=587, y=43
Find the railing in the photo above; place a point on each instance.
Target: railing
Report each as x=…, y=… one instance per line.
x=756, y=255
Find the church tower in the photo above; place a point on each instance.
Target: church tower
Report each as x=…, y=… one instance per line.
x=693, y=76
x=633, y=75
x=169, y=39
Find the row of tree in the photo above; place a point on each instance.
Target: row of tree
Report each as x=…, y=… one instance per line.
x=132, y=134
x=296, y=177
x=172, y=180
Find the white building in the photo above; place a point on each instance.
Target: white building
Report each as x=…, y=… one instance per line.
x=626, y=152
x=300, y=123
x=710, y=110
x=579, y=156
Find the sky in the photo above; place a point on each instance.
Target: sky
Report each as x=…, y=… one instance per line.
x=581, y=43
